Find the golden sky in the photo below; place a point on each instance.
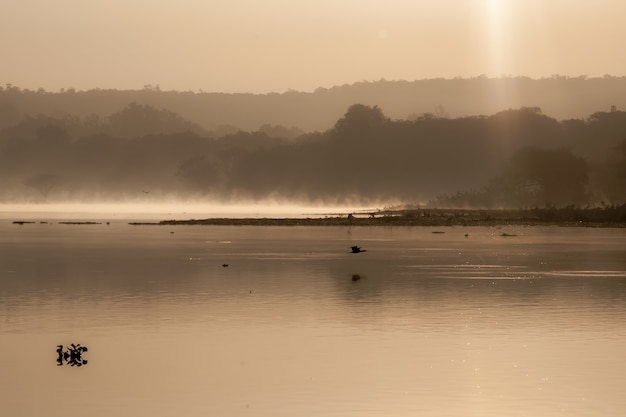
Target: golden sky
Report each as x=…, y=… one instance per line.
x=274, y=45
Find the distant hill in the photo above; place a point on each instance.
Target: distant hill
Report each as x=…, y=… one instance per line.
x=558, y=97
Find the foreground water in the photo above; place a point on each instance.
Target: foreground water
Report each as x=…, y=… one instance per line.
x=427, y=322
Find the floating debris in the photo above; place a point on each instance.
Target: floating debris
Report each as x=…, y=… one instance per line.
x=356, y=249
x=72, y=356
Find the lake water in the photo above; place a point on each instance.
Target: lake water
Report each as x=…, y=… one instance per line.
x=422, y=324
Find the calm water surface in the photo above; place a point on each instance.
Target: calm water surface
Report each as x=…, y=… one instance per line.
x=423, y=323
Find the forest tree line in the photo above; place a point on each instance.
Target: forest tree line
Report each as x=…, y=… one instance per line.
x=512, y=158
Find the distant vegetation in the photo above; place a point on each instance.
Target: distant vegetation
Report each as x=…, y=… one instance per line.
x=613, y=216
x=52, y=148
x=558, y=96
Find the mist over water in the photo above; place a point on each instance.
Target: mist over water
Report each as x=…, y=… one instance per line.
x=171, y=210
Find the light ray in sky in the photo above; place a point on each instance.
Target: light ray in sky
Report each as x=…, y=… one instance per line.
x=496, y=36
x=275, y=45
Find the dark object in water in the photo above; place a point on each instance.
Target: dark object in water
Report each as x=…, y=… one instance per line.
x=356, y=277
x=356, y=249
x=225, y=265
x=438, y=232
x=72, y=356
x=22, y=222
x=506, y=234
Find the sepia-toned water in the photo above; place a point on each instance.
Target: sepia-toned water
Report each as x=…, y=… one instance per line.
x=427, y=322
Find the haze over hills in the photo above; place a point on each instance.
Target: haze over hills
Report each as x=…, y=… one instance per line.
x=471, y=143
x=559, y=97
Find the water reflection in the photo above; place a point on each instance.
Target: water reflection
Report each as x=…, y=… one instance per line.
x=421, y=324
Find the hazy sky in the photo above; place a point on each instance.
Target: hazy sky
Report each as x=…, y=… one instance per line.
x=274, y=45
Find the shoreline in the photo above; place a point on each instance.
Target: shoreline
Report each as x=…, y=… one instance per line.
x=606, y=217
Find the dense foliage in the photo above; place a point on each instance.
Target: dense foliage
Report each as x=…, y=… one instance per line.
x=513, y=158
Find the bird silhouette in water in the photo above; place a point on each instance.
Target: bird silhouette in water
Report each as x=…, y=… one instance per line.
x=356, y=249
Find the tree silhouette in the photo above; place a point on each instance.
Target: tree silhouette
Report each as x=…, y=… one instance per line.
x=360, y=121
x=540, y=177
x=139, y=120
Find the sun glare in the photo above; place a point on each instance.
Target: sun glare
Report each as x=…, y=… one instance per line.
x=498, y=47
x=495, y=37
